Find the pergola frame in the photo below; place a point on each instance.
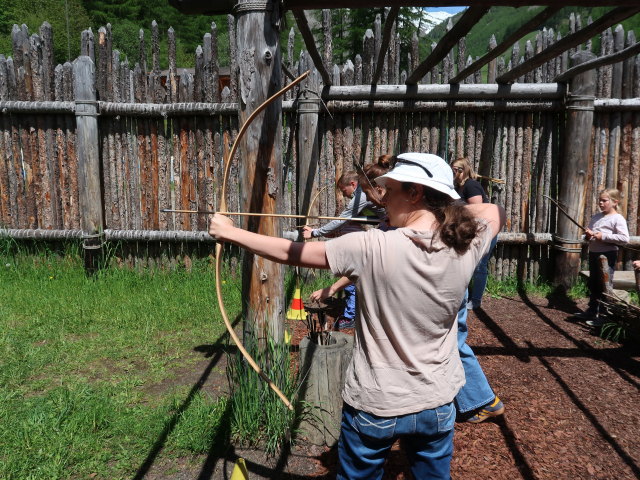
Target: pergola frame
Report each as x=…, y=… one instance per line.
x=575, y=86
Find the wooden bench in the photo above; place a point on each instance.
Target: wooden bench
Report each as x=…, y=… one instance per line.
x=622, y=279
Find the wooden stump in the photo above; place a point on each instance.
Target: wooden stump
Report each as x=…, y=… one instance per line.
x=323, y=371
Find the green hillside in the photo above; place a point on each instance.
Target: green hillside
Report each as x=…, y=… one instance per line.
x=502, y=21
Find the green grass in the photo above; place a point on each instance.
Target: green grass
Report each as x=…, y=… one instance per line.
x=82, y=361
x=510, y=287
x=89, y=367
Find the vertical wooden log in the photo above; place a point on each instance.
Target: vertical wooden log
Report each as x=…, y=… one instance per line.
x=20, y=44
x=29, y=154
x=6, y=215
x=215, y=64
x=88, y=161
x=308, y=143
x=486, y=151
x=469, y=142
x=173, y=79
x=613, y=156
x=509, y=167
x=516, y=208
x=368, y=49
x=338, y=141
x=327, y=44
x=357, y=118
x=572, y=182
x=48, y=64
x=460, y=136
x=71, y=155
x=233, y=57
x=16, y=177
x=87, y=44
x=260, y=76
x=348, y=76
x=626, y=91
x=451, y=137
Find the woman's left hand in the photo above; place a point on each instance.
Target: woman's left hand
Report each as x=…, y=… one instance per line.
x=219, y=226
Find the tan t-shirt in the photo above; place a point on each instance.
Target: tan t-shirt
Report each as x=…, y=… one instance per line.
x=405, y=356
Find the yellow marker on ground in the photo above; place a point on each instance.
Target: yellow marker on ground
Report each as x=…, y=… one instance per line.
x=240, y=470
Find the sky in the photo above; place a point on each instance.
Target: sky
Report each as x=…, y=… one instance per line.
x=451, y=10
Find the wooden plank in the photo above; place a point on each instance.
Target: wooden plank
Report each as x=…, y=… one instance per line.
x=497, y=50
x=614, y=16
x=389, y=24
x=461, y=28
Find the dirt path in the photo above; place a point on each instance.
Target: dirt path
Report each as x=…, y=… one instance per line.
x=571, y=401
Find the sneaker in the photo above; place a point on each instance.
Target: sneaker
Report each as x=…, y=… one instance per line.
x=346, y=323
x=586, y=315
x=491, y=410
x=596, y=322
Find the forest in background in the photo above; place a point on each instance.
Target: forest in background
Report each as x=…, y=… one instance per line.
x=127, y=17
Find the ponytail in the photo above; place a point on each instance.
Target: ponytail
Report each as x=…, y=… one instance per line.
x=456, y=226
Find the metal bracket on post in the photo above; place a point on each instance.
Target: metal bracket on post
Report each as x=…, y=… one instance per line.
x=580, y=102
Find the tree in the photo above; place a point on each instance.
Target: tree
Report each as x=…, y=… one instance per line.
x=67, y=23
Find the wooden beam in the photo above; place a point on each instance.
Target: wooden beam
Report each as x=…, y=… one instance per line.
x=599, y=62
x=532, y=24
x=310, y=43
x=384, y=45
x=459, y=30
x=226, y=6
x=480, y=91
x=614, y=16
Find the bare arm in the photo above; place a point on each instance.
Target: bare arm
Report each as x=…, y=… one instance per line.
x=493, y=214
x=474, y=199
x=279, y=250
x=332, y=290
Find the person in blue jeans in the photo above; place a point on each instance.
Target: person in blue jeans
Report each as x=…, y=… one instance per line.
x=475, y=402
x=471, y=191
x=405, y=370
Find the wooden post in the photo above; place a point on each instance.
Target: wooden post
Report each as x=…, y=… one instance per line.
x=260, y=169
x=90, y=195
x=573, y=177
x=308, y=142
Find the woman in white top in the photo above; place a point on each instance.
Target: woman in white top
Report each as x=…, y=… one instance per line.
x=405, y=369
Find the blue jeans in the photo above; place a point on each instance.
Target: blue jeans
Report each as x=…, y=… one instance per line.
x=476, y=392
x=480, y=275
x=365, y=441
x=350, y=299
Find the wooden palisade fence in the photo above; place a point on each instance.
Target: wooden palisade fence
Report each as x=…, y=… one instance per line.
x=161, y=138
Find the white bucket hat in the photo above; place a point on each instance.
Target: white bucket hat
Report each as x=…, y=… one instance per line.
x=423, y=168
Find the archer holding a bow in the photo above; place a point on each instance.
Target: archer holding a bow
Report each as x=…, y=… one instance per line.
x=405, y=370
x=607, y=229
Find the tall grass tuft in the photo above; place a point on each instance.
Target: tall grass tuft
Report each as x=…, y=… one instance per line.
x=258, y=416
